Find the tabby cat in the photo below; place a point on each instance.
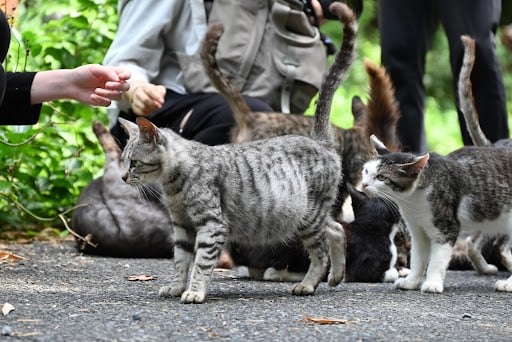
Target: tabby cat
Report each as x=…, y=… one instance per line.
x=468, y=190
x=479, y=248
x=256, y=192
x=113, y=219
x=379, y=118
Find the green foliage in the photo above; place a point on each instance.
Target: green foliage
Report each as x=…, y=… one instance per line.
x=44, y=167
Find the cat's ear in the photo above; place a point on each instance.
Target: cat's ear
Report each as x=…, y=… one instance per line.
x=356, y=196
x=148, y=131
x=359, y=111
x=378, y=145
x=129, y=127
x=421, y=161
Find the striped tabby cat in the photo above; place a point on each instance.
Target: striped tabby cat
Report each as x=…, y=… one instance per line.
x=469, y=190
x=256, y=192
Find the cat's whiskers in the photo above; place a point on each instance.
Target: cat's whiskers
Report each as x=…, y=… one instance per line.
x=394, y=200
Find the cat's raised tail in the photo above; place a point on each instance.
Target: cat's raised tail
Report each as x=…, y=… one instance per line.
x=337, y=72
x=228, y=90
x=465, y=94
x=382, y=108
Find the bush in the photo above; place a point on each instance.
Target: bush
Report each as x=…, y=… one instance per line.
x=45, y=166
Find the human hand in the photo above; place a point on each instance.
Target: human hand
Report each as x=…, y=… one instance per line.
x=98, y=85
x=145, y=98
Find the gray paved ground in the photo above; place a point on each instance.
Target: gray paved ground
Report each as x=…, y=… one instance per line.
x=59, y=295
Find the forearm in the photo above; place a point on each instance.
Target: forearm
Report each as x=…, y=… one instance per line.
x=51, y=85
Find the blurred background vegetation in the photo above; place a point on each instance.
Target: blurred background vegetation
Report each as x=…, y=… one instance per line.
x=44, y=167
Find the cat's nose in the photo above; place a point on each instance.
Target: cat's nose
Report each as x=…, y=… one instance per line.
x=124, y=176
x=364, y=185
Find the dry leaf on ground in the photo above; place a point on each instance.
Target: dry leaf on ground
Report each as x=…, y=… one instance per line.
x=7, y=308
x=142, y=277
x=324, y=320
x=6, y=256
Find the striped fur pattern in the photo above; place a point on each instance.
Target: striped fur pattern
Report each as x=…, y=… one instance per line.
x=259, y=192
x=469, y=190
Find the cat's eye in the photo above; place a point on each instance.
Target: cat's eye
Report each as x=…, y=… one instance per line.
x=381, y=178
x=134, y=163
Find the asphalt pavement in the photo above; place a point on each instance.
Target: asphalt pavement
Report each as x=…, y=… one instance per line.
x=60, y=295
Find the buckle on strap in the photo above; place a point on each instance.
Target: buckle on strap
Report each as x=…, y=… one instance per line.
x=286, y=89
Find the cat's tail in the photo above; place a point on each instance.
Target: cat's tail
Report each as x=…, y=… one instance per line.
x=107, y=141
x=465, y=93
x=232, y=95
x=382, y=110
x=337, y=72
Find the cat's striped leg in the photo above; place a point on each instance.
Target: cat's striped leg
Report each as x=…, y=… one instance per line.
x=440, y=255
x=420, y=249
x=183, y=258
x=209, y=243
x=315, y=243
x=337, y=251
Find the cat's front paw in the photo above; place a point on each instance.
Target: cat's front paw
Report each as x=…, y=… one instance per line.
x=193, y=297
x=406, y=284
x=171, y=291
x=432, y=287
x=391, y=275
x=302, y=290
x=503, y=285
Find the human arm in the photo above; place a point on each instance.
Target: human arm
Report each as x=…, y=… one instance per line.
x=91, y=84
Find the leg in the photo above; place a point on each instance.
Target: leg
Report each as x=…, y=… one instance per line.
x=480, y=21
x=183, y=258
x=209, y=242
x=474, y=253
x=337, y=251
x=210, y=122
x=440, y=255
x=505, y=245
x=420, y=252
x=405, y=33
x=314, y=240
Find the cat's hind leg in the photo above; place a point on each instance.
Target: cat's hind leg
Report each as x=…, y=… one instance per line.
x=315, y=242
x=420, y=252
x=474, y=253
x=183, y=258
x=506, y=259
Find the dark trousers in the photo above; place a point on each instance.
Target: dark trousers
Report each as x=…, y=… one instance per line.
x=406, y=28
x=210, y=122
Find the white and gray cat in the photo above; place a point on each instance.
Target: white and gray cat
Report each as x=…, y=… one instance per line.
x=262, y=191
x=469, y=190
x=480, y=249
x=114, y=219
